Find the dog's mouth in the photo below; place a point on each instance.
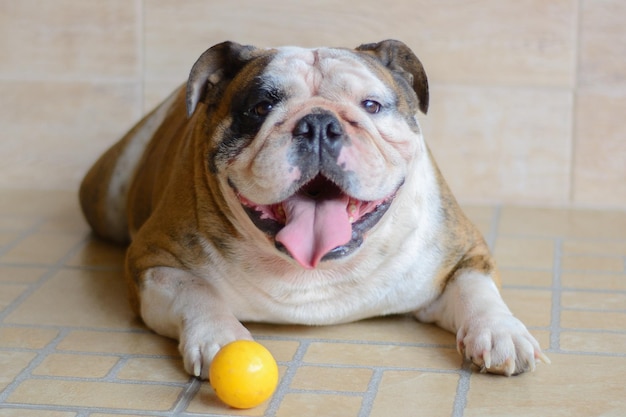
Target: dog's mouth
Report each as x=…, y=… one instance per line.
x=318, y=222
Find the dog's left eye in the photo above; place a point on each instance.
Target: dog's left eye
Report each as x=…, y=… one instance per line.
x=262, y=109
x=371, y=106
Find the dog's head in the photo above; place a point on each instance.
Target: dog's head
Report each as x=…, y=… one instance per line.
x=313, y=144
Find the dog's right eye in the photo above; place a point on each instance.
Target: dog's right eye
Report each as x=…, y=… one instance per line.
x=371, y=106
x=262, y=109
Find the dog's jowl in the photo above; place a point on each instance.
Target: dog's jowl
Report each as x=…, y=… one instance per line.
x=293, y=185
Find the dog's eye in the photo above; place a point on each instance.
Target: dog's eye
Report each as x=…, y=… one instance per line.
x=371, y=106
x=262, y=109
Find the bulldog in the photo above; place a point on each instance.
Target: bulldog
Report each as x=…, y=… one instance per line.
x=293, y=185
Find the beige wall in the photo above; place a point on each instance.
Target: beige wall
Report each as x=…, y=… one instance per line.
x=528, y=96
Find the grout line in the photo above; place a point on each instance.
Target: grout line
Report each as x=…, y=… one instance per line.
x=20, y=238
x=450, y=345
x=45, y=276
x=94, y=268
x=26, y=373
x=111, y=376
x=186, y=395
x=285, y=382
x=462, y=389
x=370, y=394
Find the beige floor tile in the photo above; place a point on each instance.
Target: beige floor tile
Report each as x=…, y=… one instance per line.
x=593, y=342
x=22, y=209
x=70, y=221
x=332, y=379
x=80, y=366
x=151, y=369
x=550, y=222
x=206, y=402
x=7, y=237
x=113, y=415
x=26, y=337
x=9, y=293
x=119, y=343
x=543, y=337
x=95, y=394
x=357, y=354
x=311, y=405
x=594, y=247
x=19, y=274
x=12, y=222
x=592, y=263
x=19, y=412
x=527, y=253
x=393, y=329
x=533, y=307
x=525, y=277
x=41, y=248
x=78, y=298
x=281, y=350
x=595, y=301
x=593, y=320
x=587, y=280
x=573, y=386
x=12, y=363
x=96, y=252
x=403, y=393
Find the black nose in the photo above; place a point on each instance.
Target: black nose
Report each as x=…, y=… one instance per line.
x=319, y=130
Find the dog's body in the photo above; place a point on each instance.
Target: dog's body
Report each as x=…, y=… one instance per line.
x=294, y=186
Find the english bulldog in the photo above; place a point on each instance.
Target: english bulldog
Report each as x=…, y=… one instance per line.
x=293, y=185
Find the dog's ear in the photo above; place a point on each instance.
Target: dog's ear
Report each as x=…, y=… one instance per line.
x=217, y=64
x=399, y=58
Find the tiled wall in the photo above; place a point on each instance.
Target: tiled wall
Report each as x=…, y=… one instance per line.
x=528, y=97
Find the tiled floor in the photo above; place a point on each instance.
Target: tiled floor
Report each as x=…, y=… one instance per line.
x=69, y=345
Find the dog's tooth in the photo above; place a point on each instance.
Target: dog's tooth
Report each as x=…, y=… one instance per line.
x=280, y=212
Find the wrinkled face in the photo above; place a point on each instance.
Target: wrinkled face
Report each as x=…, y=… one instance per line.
x=317, y=145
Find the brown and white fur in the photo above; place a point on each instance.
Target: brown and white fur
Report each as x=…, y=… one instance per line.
x=204, y=186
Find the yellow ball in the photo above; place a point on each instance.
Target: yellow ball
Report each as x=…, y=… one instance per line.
x=243, y=374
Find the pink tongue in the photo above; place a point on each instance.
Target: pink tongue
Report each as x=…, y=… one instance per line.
x=314, y=227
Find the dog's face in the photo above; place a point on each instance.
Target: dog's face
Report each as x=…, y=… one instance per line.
x=313, y=144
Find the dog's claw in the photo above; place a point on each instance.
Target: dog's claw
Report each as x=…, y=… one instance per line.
x=542, y=357
x=487, y=358
x=499, y=345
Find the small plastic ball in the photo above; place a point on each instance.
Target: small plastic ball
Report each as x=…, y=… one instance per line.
x=243, y=374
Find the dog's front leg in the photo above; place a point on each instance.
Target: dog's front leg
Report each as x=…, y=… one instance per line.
x=486, y=331
x=180, y=305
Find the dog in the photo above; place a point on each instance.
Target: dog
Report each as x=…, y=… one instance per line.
x=293, y=185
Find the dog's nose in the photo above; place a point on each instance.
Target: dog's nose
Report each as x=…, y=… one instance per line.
x=322, y=128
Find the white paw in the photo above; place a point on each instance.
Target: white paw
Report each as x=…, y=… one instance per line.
x=499, y=344
x=201, y=340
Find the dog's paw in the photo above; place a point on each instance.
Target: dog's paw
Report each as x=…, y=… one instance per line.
x=499, y=345
x=201, y=340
